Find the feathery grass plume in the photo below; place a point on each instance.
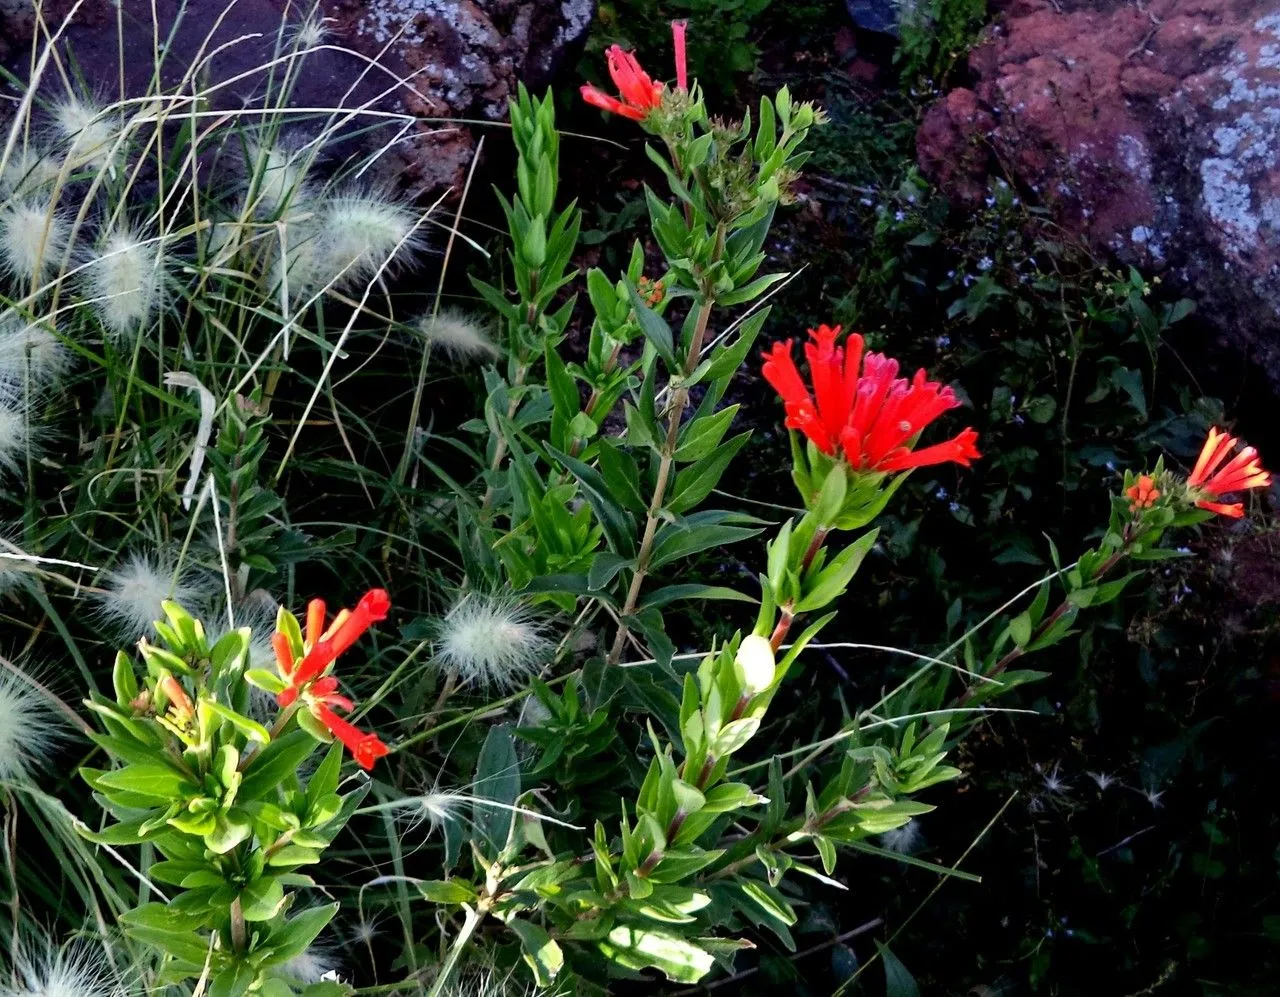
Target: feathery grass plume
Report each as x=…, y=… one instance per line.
x=31, y=357
x=17, y=437
x=126, y=280
x=32, y=235
x=358, y=233
x=29, y=172
x=491, y=641
x=132, y=593
x=90, y=131
x=312, y=32
x=74, y=970
x=461, y=336
x=31, y=727
x=276, y=176
x=905, y=840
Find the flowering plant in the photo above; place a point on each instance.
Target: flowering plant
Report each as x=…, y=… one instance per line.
x=218, y=795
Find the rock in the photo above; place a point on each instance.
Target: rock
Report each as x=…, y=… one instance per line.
x=880, y=16
x=1154, y=133
x=437, y=59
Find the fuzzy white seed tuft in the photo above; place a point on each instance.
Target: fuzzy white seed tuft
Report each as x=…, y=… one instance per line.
x=76, y=970
x=30, y=172
x=276, y=176
x=17, y=440
x=491, y=642
x=358, y=234
x=89, y=131
x=31, y=357
x=317, y=963
x=904, y=840
x=132, y=594
x=126, y=281
x=461, y=336
x=31, y=728
x=32, y=236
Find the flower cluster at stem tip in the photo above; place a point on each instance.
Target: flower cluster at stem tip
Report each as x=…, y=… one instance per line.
x=861, y=408
x=1217, y=472
x=305, y=670
x=638, y=95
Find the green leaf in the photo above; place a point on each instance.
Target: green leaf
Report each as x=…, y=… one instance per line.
x=636, y=948
x=251, y=729
x=498, y=779
x=294, y=937
x=539, y=950
x=619, y=529
x=273, y=763
x=234, y=981
x=677, y=540
x=654, y=328
x=265, y=680
x=691, y=590
x=694, y=483
x=770, y=901
x=261, y=899
x=897, y=981
x=704, y=434
x=158, y=781
x=446, y=891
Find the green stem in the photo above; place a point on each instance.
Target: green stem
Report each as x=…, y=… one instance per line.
x=239, y=935
x=455, y=950
x=675, y=413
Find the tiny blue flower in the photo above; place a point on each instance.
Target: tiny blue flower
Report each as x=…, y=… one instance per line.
x=954, y=507
x=1111, y=466
x=985, y=264
x=1049, y=933
x=990, y=201
x=899, y=216
x=866, y=202
x=951, y=274
x=942, y=494
x=1018, y=420
x=1184, y=550
x=968, y=279
x=942, y=342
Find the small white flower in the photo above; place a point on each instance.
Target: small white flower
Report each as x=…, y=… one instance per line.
x=906, y=840
x=461, y=336
x=490, y=641
x=133, y=593
x=89, y=131
x=31, y=728
x=1102, y=780
x=126, y=281
x=31, y=357
x=32, y=236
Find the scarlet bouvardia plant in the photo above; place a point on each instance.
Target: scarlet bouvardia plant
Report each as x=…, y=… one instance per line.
x=219, y=797
x=699, y=855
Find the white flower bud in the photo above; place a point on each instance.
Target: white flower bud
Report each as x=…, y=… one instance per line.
x=754, y=664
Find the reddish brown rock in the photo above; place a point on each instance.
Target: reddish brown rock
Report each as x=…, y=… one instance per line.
x=1152, y=131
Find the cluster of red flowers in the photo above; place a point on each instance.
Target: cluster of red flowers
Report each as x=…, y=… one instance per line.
x=861, y=408
x=638, y=94
x=1215, y=475
x=321, y=647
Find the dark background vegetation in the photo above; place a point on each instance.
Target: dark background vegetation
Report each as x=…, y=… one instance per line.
x=1127, y=834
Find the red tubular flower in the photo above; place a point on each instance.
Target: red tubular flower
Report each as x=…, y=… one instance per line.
x=365, y=748
x=1214, y=474
x=678, y=29
x=177, y=696
x=639, y=94
x=345, y=630
x=1142, y=494
x=860, y=405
